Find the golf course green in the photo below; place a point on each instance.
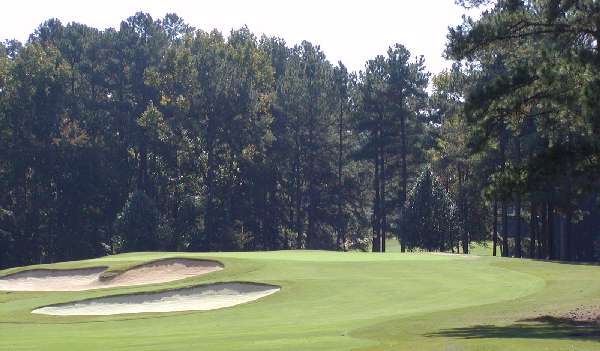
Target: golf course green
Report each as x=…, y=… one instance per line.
x=331, y=301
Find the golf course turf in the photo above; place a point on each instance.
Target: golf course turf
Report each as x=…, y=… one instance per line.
x=331, y=301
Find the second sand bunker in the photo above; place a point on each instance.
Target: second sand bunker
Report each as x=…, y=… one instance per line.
x=201, y=298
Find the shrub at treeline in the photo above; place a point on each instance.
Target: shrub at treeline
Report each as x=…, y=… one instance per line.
x=158, y=136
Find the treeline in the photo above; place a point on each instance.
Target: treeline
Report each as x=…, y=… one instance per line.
x=525, y=106
x=158, y=136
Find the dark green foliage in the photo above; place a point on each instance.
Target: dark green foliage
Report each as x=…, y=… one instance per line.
x=463, y=172
x=187, y=226
x=137, y=225
x=532, y=111
x=7, y=235
x=223, y=143
x=430, y=220
x=392, y=131
x=189, y=140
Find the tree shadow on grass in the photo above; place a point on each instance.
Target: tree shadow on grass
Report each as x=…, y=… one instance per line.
x=546, y=327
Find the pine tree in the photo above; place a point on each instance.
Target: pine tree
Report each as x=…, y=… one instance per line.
x=430, y=220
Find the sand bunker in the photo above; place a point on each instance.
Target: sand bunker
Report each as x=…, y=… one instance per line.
x=202, y=298
x=161, y=271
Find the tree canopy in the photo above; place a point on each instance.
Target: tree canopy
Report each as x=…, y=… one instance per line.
x=160, y=136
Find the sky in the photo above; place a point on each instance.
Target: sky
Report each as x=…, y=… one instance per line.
x=351, y=31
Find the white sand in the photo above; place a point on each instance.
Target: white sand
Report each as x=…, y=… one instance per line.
x=203, y=298
x=89, y=278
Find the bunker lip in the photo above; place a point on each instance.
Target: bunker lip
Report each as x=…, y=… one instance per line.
x=204, y=297
x=153, y=272
x=53, y=272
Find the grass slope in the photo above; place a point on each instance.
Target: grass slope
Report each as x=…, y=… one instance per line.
x=333, y=301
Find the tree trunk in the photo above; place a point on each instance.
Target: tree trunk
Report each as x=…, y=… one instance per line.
x=543, y=240
x=341, y=240
x=383, y=209
x=298, y=202
x=532, y=231
x=495, y=228
x=462, y=174
x=566, y=252
x=503, y=143
x=403, y=152
x=383, y=205
x=504, y=210
x=310, y=177
x=518, y=250
x=376, y=202
x=551, y=253
x=563, y=239
x=571, y=249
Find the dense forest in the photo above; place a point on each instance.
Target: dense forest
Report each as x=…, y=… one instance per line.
x=160, y=136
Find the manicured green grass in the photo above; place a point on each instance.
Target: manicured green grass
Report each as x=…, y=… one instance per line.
x=477, y=249
x=334, y=301
x=481, y=249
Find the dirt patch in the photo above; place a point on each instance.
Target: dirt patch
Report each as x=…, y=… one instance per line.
x=583, y=314
x=161, y=271
x=202, y=298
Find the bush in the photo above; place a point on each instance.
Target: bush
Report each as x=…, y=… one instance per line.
x=430, y=220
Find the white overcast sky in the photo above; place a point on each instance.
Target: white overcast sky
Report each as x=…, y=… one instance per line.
x=351, y=31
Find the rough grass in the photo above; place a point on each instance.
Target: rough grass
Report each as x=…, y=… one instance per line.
x=334, y=301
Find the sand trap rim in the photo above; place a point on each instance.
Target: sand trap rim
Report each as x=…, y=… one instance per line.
x=108, y=273
x=53, y=270
x=157, y=292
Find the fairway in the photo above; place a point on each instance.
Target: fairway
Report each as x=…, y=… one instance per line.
x=331, y=301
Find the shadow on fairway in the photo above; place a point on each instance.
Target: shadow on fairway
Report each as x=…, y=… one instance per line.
x=546, y=327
